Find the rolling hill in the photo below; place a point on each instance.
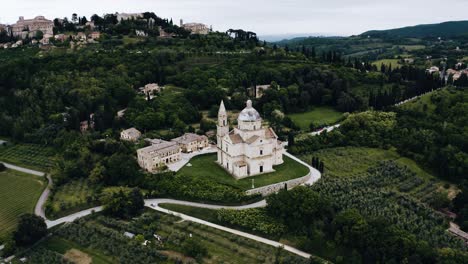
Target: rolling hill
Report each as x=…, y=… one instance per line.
x=445, y=29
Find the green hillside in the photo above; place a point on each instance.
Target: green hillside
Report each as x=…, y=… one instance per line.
x=445, y=29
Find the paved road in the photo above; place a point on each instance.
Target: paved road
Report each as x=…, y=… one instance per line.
x=328, y=129
x=314, y=173
x=455, y=229
x=154, y=204
x=185, y=157
x=72, y=217
x=39, y=209
x=25, y=170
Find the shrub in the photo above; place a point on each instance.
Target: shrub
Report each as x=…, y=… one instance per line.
x=194, y=249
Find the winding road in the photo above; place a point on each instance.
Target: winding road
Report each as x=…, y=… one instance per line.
x=154, y=204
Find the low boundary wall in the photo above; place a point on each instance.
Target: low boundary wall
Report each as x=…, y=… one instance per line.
x=276, y=187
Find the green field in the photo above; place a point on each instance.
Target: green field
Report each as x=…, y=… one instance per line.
x=108, y=235
x=71, y=197
x=411, y=47
x=322, y=115
x=205, y=166
x=19, y=193
x=393, y=62
x=209, y=215
x=62, y=246
x=345, y=162
x=349, y=161
x=28, y=155
x=418, y=104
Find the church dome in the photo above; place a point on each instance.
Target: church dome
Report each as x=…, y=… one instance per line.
x=249, y=113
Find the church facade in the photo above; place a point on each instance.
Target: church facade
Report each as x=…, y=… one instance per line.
x=249, y=149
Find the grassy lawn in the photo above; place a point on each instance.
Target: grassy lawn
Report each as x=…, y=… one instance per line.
x=411, y=47
x=28, y=155
x=393, y=62
x=19, y=193
x=62, y=246
x=349, y=161
x=205, y=166
x=209, y=215
x=418, y=104
x=322, y=115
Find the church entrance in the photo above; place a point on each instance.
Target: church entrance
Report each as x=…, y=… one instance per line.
x=261, y=169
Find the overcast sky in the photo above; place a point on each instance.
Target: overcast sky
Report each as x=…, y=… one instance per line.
x=266, y=17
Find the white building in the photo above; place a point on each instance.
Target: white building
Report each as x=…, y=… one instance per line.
x=131, y=134
x=195, y=28
x=159, y=154
x=128, y=16
x=249, y=149
x=29, y=27
x=190, y=142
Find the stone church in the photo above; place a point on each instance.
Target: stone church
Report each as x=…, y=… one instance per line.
x=249, y=149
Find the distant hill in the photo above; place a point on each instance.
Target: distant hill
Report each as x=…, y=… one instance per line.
x=445, y=29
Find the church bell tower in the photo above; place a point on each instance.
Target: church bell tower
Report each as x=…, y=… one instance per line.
x=222, y=129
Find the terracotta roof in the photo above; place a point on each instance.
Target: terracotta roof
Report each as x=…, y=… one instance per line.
x=269, y=133
x=252, y=139
x=163, y=147
x=236, y=138
x=188, y=138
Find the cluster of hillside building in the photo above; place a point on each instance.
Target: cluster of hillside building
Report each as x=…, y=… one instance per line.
x=29, y=29
x=161, y=153
x=246, y=150
x=460, y=69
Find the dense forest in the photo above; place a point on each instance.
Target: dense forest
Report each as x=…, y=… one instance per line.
x=47, y=93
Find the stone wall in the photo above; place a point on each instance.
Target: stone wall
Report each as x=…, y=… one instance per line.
x=273, y=188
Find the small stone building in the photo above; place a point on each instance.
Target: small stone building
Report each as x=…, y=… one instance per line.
x=131, y=134
x=190, y=142
x=156, y=156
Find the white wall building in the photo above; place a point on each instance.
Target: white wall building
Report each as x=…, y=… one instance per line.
x=159, y=154
x=249, y=149
x=190, y=142
x=29, y=27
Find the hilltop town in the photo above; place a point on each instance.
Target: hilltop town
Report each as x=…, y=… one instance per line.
x=79, y=31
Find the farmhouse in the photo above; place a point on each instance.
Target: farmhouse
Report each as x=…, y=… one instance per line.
x=190, y=142
x=150, y=90
x=131, y=134
x=249, y=149
x=158, y=155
